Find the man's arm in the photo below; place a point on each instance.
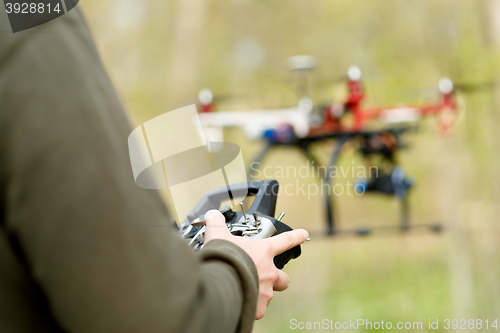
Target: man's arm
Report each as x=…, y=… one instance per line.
x=90, y=238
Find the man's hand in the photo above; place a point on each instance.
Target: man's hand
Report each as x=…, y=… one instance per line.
x=262, y=252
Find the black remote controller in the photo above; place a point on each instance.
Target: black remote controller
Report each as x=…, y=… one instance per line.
x=256, y=223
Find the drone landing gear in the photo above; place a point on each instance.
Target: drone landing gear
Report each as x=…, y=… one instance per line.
x=330, y=217
x=394, y=183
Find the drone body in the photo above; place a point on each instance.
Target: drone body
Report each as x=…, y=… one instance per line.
x=302, y=125
x=308, y=121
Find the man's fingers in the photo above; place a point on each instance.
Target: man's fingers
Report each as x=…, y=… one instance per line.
x=283, y=281
x=288, y=240
x=215, y=225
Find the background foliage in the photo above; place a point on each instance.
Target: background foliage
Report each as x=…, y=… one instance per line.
x=160, y=53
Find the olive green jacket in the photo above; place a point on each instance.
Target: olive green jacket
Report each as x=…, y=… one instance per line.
x=82, y=248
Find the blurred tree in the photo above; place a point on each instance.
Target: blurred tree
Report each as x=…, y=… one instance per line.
x=187, y=47
x=491, y=9
x=491, y=31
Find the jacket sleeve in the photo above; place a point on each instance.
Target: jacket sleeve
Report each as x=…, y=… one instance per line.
x=100, y=248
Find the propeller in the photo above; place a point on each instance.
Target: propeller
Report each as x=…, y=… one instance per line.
x=446, y=85
x=474, y=87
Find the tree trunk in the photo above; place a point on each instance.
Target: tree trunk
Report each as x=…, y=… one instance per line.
x=187, y=47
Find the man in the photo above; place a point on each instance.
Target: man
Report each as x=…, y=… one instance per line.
x=80, y=246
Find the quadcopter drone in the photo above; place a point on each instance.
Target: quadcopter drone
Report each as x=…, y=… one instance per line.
x=304, y=120
x=303, y=125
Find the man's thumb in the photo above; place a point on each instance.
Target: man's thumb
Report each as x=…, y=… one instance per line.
x=215, y=226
